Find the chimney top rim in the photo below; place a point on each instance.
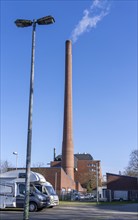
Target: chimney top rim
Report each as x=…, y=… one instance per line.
x=68, y=41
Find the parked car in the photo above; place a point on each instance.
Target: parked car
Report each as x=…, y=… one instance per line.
x=89, y=196
x=77, y=196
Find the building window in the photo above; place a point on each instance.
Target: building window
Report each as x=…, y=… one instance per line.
x=5, y=190
x=90, y=165
x=91, y=169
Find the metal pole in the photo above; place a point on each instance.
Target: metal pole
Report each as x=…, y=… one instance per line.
x=16, y=154
x=56, y=182
x=29, y=134
x=16, y=160
x=97, y=182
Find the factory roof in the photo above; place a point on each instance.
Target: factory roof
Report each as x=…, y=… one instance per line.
x=78, y=156
x=83, y=156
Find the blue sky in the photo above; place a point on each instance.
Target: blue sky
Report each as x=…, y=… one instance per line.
x=104, y=36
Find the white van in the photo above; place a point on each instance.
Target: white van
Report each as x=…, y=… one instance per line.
x=47, y=189
x=37, y=180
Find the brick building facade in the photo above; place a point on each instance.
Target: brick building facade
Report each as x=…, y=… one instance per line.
x=121, y=183
x=85, y=168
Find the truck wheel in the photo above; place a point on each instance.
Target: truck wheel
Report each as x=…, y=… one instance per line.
x=32, y=207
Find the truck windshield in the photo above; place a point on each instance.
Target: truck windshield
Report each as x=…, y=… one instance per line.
x=34, y=189
x=50, y=190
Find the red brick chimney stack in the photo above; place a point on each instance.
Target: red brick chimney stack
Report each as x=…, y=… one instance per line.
x=67, y=145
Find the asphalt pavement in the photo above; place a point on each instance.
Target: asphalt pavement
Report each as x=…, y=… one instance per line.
x=81, y=212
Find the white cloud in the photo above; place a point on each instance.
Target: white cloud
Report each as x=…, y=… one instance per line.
x=96, y=3
x=97, y=11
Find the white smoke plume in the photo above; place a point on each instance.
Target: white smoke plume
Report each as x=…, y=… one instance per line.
x=97, y=11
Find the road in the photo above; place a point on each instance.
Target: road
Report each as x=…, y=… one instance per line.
x=83, y=212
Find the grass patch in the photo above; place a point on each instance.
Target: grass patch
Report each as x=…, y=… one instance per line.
x=74, y=203
x=79, y=203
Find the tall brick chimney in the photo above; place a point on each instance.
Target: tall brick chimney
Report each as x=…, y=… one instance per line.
x=67, y=145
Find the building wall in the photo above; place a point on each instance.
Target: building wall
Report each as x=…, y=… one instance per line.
x=66, y=182
x=86, y=170
x=55, y=164
x=120, y=182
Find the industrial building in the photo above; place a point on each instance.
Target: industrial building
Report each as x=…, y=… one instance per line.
x=121, y=187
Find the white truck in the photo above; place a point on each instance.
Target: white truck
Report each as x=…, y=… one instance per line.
x=12, y=194
x=120, y=195
x=13, y=178
x=47, y=189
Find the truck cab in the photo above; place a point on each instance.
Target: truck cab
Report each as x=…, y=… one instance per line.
x=48, y=191
x=37, y=200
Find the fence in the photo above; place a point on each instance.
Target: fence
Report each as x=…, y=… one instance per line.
x=105, y=195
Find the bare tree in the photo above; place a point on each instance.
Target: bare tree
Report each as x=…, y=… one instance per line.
x=4, y=165
x=38, y=164
x=132, y=168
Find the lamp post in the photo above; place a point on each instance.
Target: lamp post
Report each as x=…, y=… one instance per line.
x=16, y=154
x=97, y=177
x=26, y=23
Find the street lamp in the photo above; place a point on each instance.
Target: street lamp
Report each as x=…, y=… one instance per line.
x=26, y=23
x=16, y=154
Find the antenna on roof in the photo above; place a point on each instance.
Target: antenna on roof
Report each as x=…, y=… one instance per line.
x=54, y=153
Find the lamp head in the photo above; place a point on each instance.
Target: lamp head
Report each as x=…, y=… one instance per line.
x=41, y=21
x=15, y=153
x=45, y=20
x=23, y=23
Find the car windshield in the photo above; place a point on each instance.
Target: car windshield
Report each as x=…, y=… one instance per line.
x=50, y=190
